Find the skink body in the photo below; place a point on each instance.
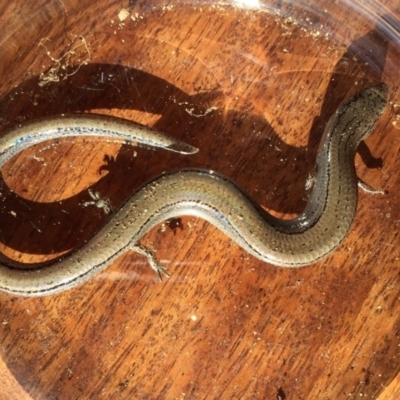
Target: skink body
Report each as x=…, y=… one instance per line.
x=301, y=241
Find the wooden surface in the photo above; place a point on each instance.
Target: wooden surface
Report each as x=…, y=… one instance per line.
x=253, y=90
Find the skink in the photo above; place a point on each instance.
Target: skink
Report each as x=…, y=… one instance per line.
x=301, y=241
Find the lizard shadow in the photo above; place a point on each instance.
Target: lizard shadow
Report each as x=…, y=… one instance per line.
x=67, y=224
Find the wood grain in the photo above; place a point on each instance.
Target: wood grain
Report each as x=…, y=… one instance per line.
x=253, y=90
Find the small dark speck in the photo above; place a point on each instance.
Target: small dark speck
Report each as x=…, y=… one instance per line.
x=123, y=384
x=366, y=379
x=281, y=394
x=174, y=224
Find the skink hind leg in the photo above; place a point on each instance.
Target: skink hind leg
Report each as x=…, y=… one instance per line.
x=310, y=182
x=160, y=270
x=369, y=189
x=100, y=202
